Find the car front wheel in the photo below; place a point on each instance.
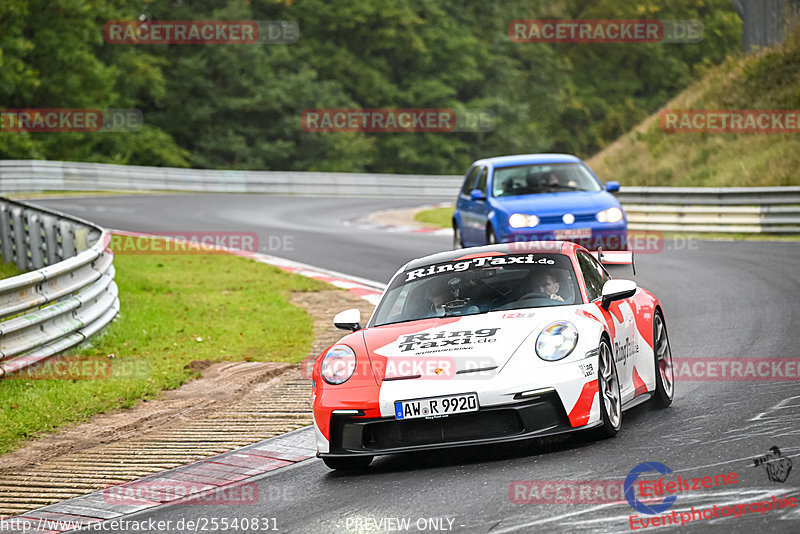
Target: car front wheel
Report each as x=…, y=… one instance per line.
x=491, y=238
x=610, y=398
x=458, y=241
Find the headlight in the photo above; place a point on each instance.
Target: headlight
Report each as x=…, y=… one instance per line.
x=556, y=341
x=338, y=364
x=518, y=220
x=611, y=215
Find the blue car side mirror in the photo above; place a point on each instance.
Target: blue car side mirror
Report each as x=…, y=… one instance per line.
x=612, y=187
x=477, y=194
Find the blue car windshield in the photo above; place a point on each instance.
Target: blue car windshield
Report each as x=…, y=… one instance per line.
x=542, y=178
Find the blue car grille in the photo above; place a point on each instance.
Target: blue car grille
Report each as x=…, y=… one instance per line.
x=579, y=218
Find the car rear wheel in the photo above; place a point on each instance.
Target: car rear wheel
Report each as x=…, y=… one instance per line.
x=351, y=463
x=610, y=398
x=665, y=376
x=458, y=241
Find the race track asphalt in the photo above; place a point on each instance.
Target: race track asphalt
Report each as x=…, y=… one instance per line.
x=721, y=299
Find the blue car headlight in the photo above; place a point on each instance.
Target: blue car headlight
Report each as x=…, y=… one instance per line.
x=519, y=220
x=556, y=341
x=610, y=215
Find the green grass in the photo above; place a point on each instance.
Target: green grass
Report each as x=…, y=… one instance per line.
x=767, y=80
x=436, y=217
x=7, y=270
x=174, y=309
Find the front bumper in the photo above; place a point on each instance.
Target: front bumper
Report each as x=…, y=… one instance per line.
x=607, y=236
x=539, y=416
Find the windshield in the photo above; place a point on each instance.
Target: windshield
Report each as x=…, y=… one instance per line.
x=479, y=285
x=549, y=178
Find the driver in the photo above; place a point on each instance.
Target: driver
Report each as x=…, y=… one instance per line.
x=552, y=179
x=545, y=281
x=428, y=301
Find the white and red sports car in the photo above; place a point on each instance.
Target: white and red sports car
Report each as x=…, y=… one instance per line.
x=496, y=343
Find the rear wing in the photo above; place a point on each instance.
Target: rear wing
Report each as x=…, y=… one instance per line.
x=615, y=257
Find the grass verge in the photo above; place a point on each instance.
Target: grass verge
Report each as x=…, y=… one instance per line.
x=7, y=270
x=436, y=216
x=174, y=310
x=767, y=80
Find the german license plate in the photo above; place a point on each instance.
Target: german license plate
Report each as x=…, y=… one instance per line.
x=436, y=406
x=573, y=233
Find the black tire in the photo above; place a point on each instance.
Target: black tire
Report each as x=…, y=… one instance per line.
x=610, y=397
x=348, y=463
x=491, y=238
x=458, y=241
x=662, y=356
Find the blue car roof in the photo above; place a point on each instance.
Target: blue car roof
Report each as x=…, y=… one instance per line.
x=528, y=159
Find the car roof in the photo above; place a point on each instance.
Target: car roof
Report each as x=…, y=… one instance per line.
x=527, y=159
x=523, y=247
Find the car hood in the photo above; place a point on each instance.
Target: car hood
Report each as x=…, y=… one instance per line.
x=453, y=345
x=543, y=204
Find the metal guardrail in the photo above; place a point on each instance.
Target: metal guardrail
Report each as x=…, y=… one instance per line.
x=69, y=296
x=773, y=210
x=25, y=175
x=679, y=209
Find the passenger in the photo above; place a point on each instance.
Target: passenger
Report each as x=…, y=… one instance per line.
x=544, y=281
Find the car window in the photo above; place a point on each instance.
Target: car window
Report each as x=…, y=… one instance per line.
x=469, y=183
x=482, y=180
x=479, y=285
x=594, y=275
x=542, y=178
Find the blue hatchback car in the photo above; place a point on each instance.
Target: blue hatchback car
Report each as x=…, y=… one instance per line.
x=536, y=197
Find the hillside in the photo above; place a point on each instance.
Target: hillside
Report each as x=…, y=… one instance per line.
x=767, y=81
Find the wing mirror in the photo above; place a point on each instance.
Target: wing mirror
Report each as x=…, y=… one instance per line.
x=612, y=187
x=348, y=320
x=617, y=290
x=477, y=194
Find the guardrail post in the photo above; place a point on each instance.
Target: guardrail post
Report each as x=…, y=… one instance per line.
x=81, y=238
x=67, y=232
x=20, y=244
x=50, y=224
x=5, y=234
x=35, y=237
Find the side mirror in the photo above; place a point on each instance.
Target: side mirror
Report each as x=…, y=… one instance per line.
x=612, y=187
x=477, y=194
x=617, y=290
x=348, y=320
